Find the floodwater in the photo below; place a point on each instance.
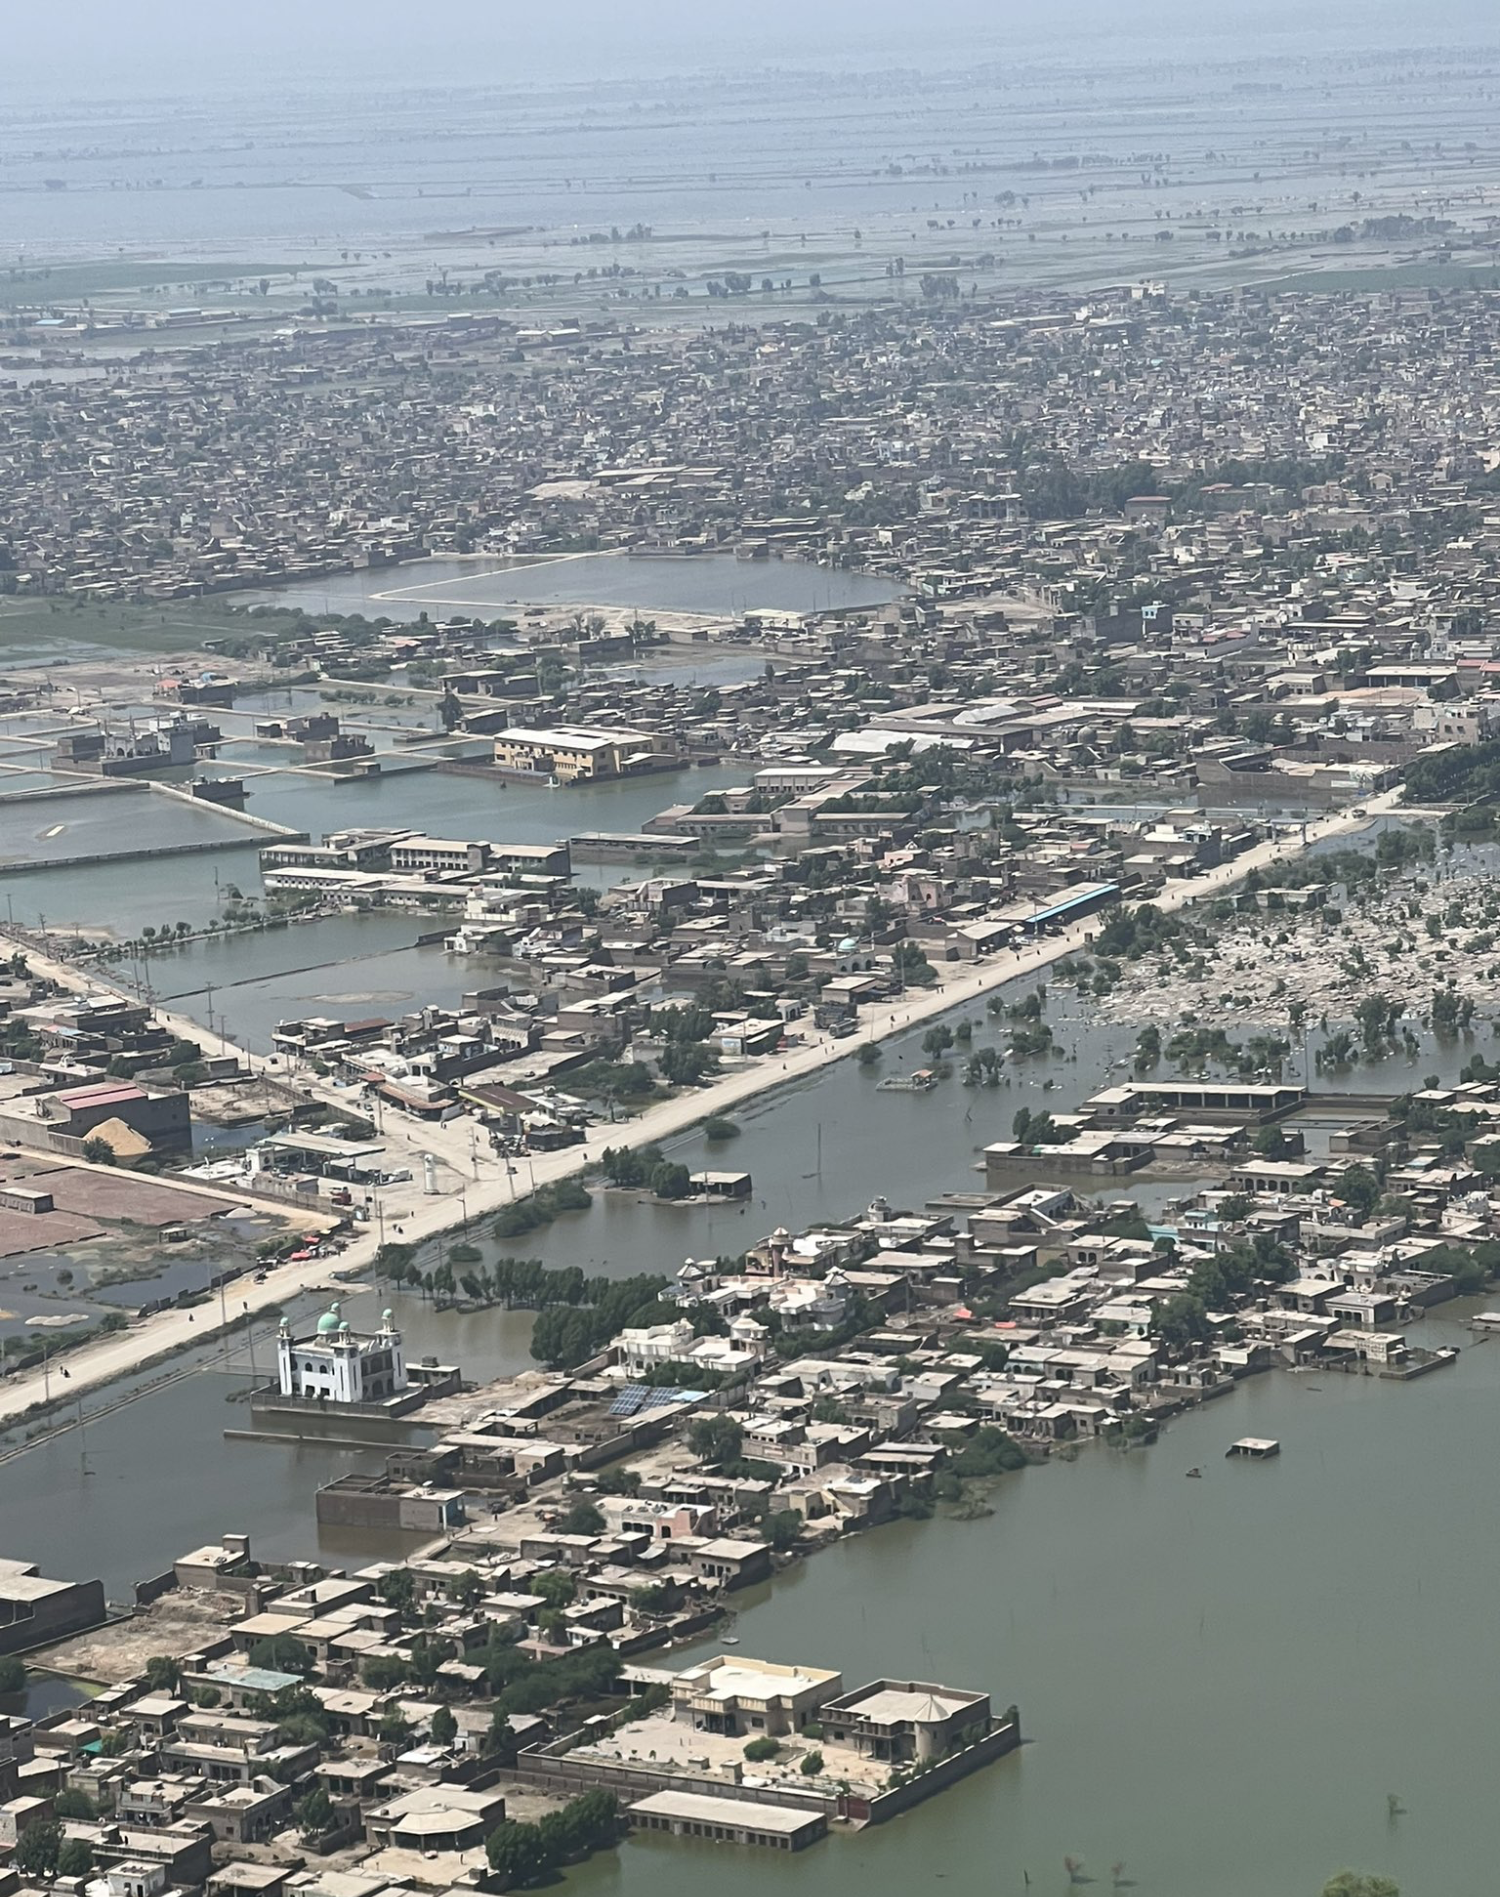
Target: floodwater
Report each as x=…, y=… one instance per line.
x=1220, y=1680
x=105, y=822
x=1296, y=1638
x=717, y=584
x=441, y=804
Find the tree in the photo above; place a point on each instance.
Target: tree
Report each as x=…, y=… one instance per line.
x=720, y=1128
x=812, y=1764
x=69, y=1803
x=384, y=1672
x=583, y=1518
x=282, y=1653
x=466, y=1589
x=1182, y=1321
x=444, y=1727
x=395, y=1262
x=1274, y=1142
x=37, y=1849
x=163, y=1674
x=12, y=1673
x=398, y=1589
x=75, y=1858
x=516, y=1853
x=1358, y=1187
x=314, y=1813
x=671, y=1181
x=684, y=1063
x=98, y=1152
x=783, y=1530
x=556, y=1587
x=716, y=1438
x=764, y=1748
x=1360, y=1884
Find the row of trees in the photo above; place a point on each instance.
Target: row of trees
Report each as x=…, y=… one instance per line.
x=565, y=1336
x=528, y=1853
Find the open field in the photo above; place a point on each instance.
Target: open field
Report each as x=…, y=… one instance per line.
x=98, y=278
x=29, y=626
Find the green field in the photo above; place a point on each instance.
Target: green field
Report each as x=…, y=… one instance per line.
x=1404, y=276
x=31, y=630
x=67, y=282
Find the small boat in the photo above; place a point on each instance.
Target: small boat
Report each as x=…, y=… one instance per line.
x=729, y=1640
x=1195, y=1472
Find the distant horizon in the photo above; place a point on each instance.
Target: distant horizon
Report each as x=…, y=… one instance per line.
x=159, y=47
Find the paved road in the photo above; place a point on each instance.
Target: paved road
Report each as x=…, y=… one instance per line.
x=484, y=1179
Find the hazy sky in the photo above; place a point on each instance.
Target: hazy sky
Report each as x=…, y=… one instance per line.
x=120, y=45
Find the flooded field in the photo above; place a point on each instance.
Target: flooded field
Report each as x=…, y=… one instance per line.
x=716, y=584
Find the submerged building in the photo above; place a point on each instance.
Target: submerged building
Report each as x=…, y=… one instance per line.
x=338, y=1365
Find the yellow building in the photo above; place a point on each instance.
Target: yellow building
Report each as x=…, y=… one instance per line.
x=573, y=754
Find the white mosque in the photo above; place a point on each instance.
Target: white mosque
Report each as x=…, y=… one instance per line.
x=340, y=1366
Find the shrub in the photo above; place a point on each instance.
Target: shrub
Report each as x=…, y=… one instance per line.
x=759, y=1749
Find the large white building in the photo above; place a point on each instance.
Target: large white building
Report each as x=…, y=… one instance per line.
x=339, y=1366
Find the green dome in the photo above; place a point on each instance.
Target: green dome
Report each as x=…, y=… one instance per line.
x=329, y=1322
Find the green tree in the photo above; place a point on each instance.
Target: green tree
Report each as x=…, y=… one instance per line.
x=1360, y=1884
x=556, y=1587
x=12, y=1673
x=466, y=1589
x=98, y=1152
x=782, y=1530
x=314, y=1813
x=1358, y=1187
x=444, y=1727
x=670, y=1180
x=75, y=1857
x=1181, y=1321
x=384, y=1672
x=812, y=1764
x=718, y=1438
x=163, y=1674
x=583, y=1518
x=37, y=1848
x=69, y=1803
x=516, y=1853
x=282, y=1653
x=398, y=1589
x=764, y=1748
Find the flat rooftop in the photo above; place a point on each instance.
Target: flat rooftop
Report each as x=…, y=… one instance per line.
x=698, y=1808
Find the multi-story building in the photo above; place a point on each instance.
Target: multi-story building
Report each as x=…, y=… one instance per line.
x=338, y=1366
x=750, y=1698
x=578, y=754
